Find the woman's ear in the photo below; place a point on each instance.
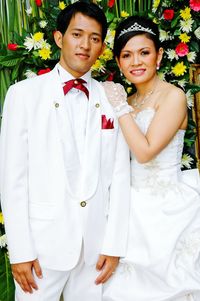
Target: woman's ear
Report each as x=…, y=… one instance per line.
x=58, y=38
x=160, y=55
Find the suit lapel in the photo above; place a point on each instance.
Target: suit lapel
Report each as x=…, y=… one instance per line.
x=68, y=146
x=92, y=153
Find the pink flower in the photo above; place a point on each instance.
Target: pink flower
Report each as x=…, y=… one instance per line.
x=195, y=5
x=43, y=71
x=111, y=3
x=168, y=14
x=38, y=2
x=12, y=47
x=182, y=49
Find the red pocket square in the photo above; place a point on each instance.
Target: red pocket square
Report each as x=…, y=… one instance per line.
x=107, y=124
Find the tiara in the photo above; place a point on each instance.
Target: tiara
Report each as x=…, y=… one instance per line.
x=135, y=27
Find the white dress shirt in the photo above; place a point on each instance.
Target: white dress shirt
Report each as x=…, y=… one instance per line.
x=77, y=104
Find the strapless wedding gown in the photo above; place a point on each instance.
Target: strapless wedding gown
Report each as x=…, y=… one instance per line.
x=163, y=258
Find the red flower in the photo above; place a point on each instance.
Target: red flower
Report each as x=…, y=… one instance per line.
x=43, y=71
x=168, y=14
x=111, y=3
x=182, y=49
x=38, y=2
x=12, y=47
x=195, y=5
x=110, y=76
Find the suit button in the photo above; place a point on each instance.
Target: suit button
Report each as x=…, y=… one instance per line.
x=83, y=203
x=97, y=105
x=57, y=105
x=76, y=82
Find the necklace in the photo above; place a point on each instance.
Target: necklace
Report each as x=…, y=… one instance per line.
x=138, y=105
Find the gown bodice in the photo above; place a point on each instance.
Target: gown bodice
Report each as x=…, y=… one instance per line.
x=166, y=166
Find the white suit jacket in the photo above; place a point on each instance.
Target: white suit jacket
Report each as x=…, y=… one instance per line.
x=43, y=182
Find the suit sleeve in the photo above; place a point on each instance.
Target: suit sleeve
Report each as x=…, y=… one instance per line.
x=14, y=177
x=115, y=240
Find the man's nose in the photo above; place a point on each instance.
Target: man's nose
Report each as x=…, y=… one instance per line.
x=85, y=43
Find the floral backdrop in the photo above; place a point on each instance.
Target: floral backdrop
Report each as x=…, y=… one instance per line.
x=28, y=50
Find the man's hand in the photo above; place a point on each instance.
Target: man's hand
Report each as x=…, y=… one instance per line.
x=107, y=266
x=22, y=272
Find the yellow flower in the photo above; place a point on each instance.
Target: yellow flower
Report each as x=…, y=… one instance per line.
x=185, y=13
x=124, y=14
x=62, y=5
x=97, y=65
x=44, y=53
x=156, y=21
x=184, y=37
x=1, y=218
x=179, y=69
x=156, y=4
x=107, y=54
x=129, y=89
x=38, y=36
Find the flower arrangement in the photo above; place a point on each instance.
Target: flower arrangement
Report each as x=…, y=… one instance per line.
x=31, y=51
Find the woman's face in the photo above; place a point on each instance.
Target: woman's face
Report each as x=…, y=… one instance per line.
x=138, y=59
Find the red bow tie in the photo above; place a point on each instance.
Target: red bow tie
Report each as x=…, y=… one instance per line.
x=77, y=84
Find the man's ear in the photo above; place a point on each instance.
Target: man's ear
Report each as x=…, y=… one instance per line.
x=58, y=38
x=103, y=47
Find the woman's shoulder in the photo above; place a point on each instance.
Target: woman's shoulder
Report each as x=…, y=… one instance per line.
x=173, y=93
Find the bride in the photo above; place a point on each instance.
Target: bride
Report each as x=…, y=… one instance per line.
x=163, y=257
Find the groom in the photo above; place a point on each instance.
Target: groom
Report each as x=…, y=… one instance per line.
x=64, y=171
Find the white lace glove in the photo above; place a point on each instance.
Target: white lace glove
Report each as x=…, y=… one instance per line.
x=117, y=97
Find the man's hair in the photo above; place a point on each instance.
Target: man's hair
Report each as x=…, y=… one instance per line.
x=91, y=10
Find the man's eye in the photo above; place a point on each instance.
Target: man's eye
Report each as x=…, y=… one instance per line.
x=95, y=39
x=76, y=34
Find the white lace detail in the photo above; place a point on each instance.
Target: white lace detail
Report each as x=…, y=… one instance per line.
x=117, y=97
x=160, y=175
x=189, y=246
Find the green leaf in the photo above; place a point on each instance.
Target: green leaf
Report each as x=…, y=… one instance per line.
x=9, y=61
x=6, y=279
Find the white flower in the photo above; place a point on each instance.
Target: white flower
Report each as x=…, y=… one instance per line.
x=186, y=25
x=190, y=99
x=110, y=37
x=186, y=161
x=30, y=43
x=197, y=32
x=43, y=44
x=191, y=56
x=182, y=83
x=171, y=54
x=164, y=35
x=30, y=74
x=29, y=11
x=43, y=23
x=161, y=75
x=3, y=241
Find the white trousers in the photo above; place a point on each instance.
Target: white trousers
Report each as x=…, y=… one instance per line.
x=75, y=285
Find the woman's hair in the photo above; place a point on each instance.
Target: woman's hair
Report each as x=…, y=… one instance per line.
x=133, y=26
x=91, y=10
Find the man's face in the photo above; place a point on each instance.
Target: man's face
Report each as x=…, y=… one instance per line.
x=81, y=44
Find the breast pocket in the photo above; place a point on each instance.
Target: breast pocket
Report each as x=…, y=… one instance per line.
x=42, y=211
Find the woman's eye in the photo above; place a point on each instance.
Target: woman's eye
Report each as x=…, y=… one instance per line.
x=145, y=52
x=126, y=55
